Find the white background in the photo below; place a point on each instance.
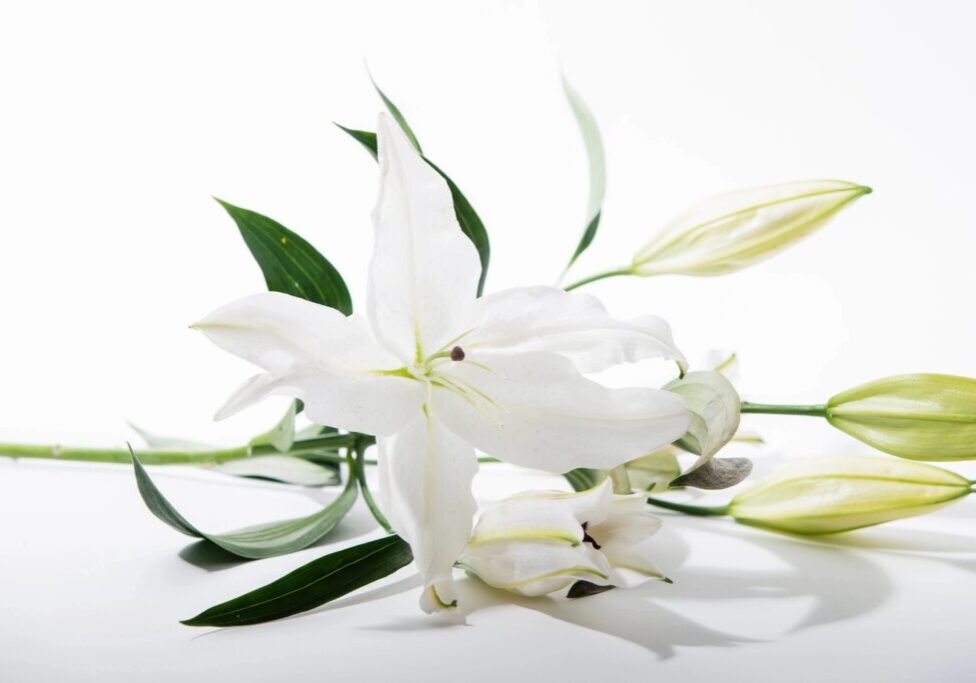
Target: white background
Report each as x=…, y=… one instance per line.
x=118, y=121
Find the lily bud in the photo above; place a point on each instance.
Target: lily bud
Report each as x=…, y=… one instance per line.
x=730, y=231
x=922, y=417
x=714, y=406
x=829, y=495
x=537, y=543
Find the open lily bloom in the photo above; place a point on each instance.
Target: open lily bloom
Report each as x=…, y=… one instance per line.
x=436, y=372
x=542, y=542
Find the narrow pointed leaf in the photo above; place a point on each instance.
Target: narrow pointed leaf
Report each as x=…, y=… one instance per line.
x=282, y=435
x=397, y=116
x=255, y=542
x=168, y=442
x=597, y=165
x=286, y=469
x=582, y=479
x=289, y=263
x=311, y=585
x=467, y=217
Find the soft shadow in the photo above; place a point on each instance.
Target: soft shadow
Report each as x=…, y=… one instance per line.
x=212, y=558
x=904, y=540
x=628, y=615
x=843, y=583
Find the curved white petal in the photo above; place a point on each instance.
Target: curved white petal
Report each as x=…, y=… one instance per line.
x=423, y=277
x=633, y=566
x=536, y=567
x=535, y=409
x=572, y=324
x=591, y=506
x=425, y=491
x=314, y=353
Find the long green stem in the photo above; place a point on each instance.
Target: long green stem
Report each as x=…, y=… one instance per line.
x=599, y=276
x=772, y=409
x=698, y=510
x=172, y=456
x=364, y=489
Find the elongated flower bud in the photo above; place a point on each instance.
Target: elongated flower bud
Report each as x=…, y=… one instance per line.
x=730, y=231
x=922, y=416
x=829, y=495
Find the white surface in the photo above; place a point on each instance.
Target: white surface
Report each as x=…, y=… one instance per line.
x=119, y=120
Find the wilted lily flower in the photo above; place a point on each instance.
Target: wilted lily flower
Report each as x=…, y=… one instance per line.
x=733, y=230
x=436, y=372
x=829, y=495
x=537, y=543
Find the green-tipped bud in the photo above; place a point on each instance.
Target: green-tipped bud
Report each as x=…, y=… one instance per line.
x=730, y=231
x=714, y=406
x=829, y=495
x=922, y=417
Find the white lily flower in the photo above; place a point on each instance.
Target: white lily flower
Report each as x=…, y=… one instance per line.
x=541, y=542
x=436, y=372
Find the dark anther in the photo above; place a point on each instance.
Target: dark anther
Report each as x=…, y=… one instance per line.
x=457, y=353
x=589, y=539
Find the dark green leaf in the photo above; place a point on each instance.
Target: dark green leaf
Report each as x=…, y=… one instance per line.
x=289, y=263
x=255, y=542
x=582, y=479
x=717, y=473
x=584, y=589
x=397, y=115
x=311, y=585
x=467, y=217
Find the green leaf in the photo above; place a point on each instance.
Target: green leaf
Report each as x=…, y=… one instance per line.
x=283, y=468
x=289, y=263
x=282, y=435
x=597, y=164
x=467, y=217
x=255, y=542
x=311, y=585
x=582, y=479
x=397, y=115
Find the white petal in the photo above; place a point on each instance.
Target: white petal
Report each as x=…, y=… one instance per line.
x=633, y=566
x=424, y=273
x=536, y=568
x=314, y=353
x=573, y=324
x=525, y=518
x=425, y=491
x=622, y=532
x=592, y=505
x=535, y=409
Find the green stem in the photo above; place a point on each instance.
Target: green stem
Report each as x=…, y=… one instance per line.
x=771, y=409
x=698, y=510
x=174, y=457
x=360, y=473
x=599, y=276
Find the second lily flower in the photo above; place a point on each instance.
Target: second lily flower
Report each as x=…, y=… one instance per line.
x=437, y=372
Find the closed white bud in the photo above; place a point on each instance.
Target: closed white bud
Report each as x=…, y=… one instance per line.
x=730, y=231
x=829, y=495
